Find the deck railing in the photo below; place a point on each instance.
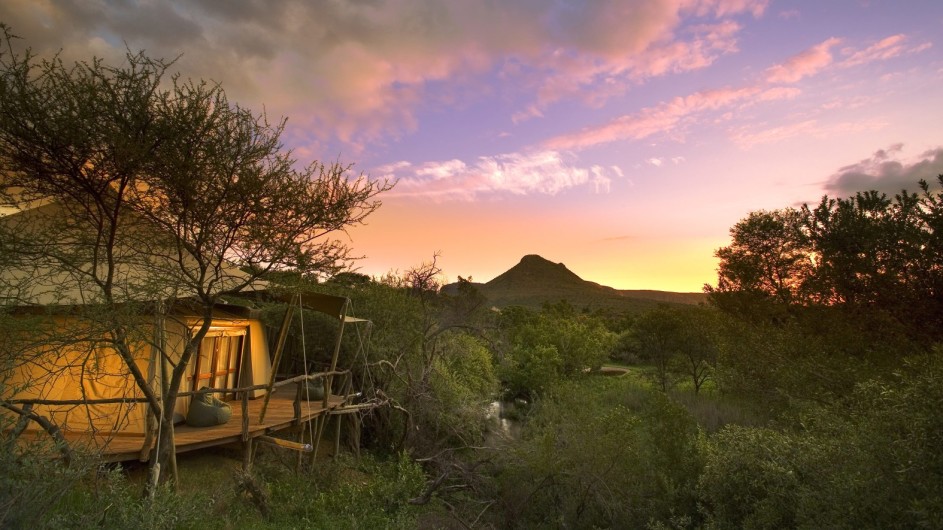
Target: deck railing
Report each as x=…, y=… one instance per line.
x=243, y=392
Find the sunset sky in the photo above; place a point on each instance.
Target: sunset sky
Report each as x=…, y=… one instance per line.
x=622, y=138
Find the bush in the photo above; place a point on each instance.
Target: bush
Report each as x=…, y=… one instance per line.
x=372, y=493
x=539, y=349
x=33, y=485
x=870, y=461
x=601, y=453
x=37, y=491
x=750, y=479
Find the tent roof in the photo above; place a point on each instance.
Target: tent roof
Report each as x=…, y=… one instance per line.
x=331, y=305
x=145, y=269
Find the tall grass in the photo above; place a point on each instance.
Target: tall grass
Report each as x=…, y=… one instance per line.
x=712, y=411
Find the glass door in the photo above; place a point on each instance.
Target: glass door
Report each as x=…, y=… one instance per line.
x=217, y=362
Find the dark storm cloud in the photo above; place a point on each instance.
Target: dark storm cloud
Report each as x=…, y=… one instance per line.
x=883, y=172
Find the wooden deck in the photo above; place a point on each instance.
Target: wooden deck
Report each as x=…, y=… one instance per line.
x=279, y=416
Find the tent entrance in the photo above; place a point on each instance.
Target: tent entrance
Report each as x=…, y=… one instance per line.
x=218, y=361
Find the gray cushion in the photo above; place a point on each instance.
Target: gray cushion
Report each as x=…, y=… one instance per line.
x=206, y=410
x=315, y=390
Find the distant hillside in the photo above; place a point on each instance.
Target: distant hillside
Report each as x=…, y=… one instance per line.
x=535, y=281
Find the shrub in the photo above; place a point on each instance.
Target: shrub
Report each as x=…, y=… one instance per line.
x=870, y=461
x=372, y=493
x=601, y=453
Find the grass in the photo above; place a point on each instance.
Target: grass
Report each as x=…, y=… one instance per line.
x=713, y=411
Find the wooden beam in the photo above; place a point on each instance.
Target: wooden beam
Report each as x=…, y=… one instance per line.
x=286, y=444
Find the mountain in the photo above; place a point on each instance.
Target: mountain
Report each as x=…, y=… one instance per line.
x=536, y=280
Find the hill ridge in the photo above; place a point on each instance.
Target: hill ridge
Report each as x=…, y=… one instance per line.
x=535, y=269
x=535, y=280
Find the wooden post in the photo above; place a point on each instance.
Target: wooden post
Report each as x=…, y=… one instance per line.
x=318, y=430
x=246, y=439
x=279, y=346
x=245, y=415
x=296, y=405
x=247, y=455
x=337, y=433
x=357, y=431
x=328, y=384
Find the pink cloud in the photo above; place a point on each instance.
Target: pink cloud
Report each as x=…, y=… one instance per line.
x=663, y=118
x=708, y=43
x=358, y=71
x=443, y=170
x=886, y=48
x=746, y=139
x=728, y=7
x=539, y=172
x=594, y=78
x=778, y=93
x=804, y=64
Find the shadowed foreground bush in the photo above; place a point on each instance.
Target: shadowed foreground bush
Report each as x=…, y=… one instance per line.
x=38, y=492
x=873, y=463
x=602, y=453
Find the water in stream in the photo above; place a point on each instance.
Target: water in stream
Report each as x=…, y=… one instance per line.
x=501, y=422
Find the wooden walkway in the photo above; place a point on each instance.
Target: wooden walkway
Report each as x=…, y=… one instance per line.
x=279, y=416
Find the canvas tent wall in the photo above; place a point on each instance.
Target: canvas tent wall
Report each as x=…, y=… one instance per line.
x=53, y=266
x=62, y=366
x=76, y=367
x=145, y=263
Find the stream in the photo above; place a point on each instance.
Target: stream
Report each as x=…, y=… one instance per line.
x=501, y=422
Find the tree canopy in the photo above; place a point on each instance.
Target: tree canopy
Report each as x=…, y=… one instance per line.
x=866, y=252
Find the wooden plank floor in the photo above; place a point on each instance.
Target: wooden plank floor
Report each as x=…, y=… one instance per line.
x=279, y=416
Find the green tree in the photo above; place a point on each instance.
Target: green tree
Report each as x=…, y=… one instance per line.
x=867, y=461
x=424, y=353
x=680, y=342
x=538, y=349
x=872, y=254
x=654, y=334
x=867, y=253
x=769, y=256
x=601, y=453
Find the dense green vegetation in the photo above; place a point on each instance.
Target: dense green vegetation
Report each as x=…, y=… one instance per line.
x=793, y=417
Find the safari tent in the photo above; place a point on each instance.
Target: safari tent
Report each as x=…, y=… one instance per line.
x=68, y=367
x=87, y=392
x=68, y=371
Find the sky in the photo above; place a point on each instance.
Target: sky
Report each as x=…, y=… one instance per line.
x=621, y=138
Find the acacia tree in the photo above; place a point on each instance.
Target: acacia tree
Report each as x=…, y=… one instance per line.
x=442, y=372
x=168, y=194
x=872, y=250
